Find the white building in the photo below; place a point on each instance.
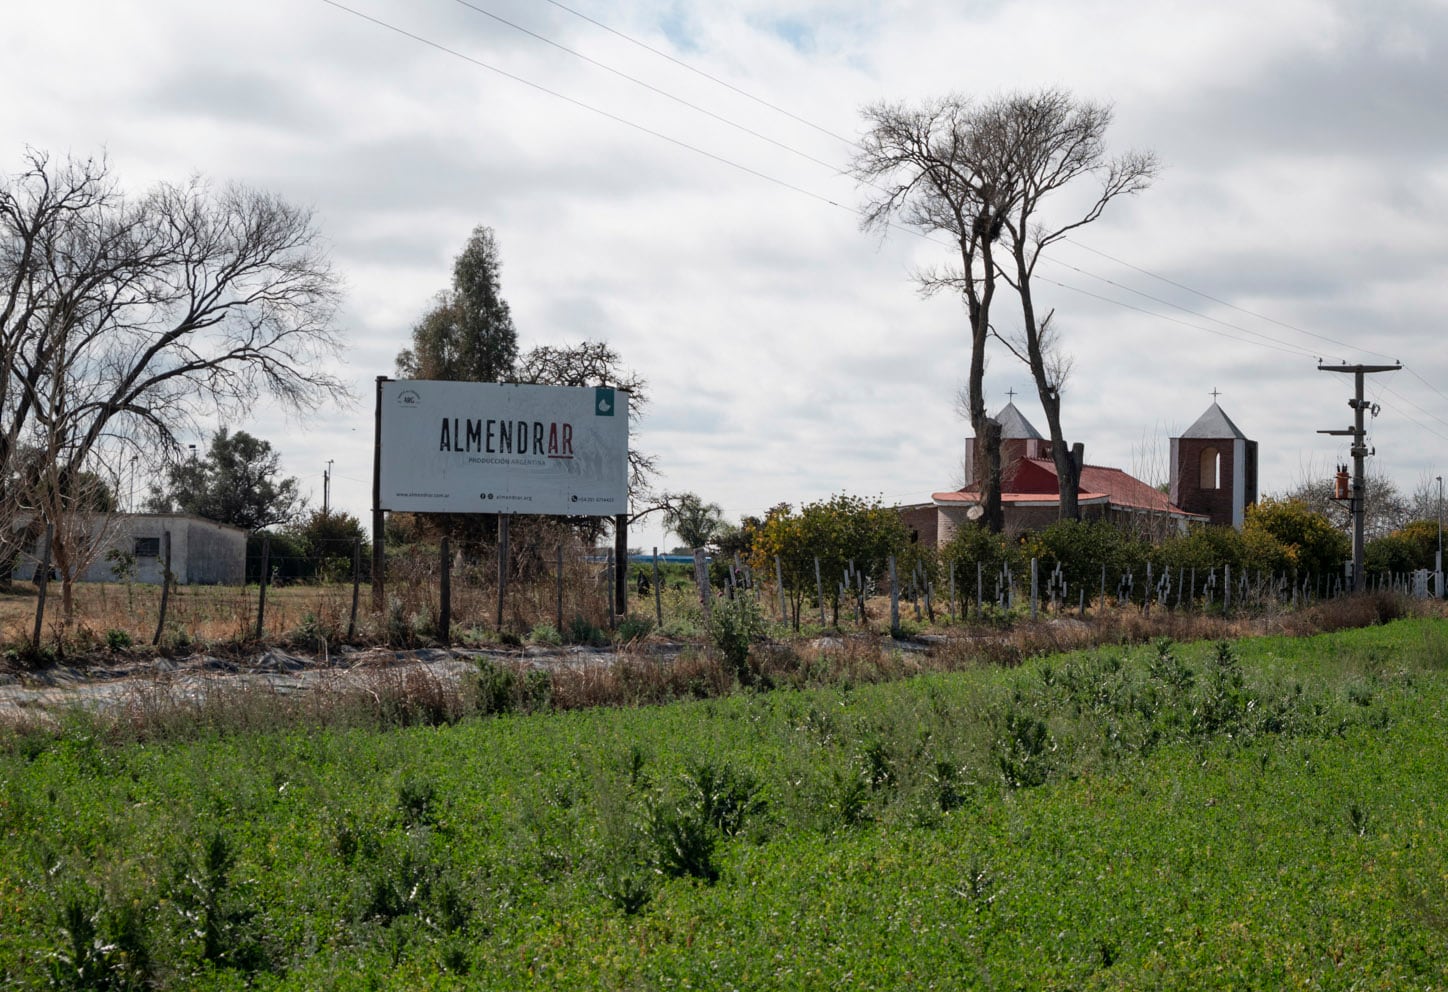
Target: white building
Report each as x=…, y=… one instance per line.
x=203, y=551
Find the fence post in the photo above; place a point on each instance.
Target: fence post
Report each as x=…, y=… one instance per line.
x=558, y=612
x=979, y=590
x=779, y=584
x=445, y=593
x=261, y=595
x=1147, y=593
x=502, y=567
x=356, y=586
x=1226, y=589
x=820, y=591
x=1034, y=586
x=44, y=576
x=1103, y=587
x=701, y=580
x=658, y=596
x=894, y=600
x=952, y=592
x=613, y=604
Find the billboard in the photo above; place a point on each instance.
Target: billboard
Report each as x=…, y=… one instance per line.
x=481, y=447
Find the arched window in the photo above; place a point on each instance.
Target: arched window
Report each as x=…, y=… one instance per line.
x=1210, y=472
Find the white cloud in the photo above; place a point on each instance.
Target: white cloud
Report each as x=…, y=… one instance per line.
x=1306, y=180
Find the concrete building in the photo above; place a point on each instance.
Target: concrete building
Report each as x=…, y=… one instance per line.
x=203, y=552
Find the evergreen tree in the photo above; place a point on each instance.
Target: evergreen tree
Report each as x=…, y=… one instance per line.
x=468, y=334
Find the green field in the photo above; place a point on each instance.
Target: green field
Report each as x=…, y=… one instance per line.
x=1268, y=814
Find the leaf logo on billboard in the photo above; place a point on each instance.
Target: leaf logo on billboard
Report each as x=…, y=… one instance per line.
x=603, y=401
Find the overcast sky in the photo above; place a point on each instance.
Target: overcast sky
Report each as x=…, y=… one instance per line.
x=1301, y=210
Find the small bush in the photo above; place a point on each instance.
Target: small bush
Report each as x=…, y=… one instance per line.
x=545, y=634
x=684, y=842
x=733, y=626
x=496, y=687
x=583, y=631
x=633, y=628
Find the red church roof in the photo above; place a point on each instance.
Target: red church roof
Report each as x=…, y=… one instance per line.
x=1033, y=482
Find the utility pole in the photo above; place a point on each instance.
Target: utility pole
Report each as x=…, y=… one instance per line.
x=1359, y=452
x=1438, y=562
x=327, y=488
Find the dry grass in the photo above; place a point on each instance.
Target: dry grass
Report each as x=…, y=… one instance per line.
x=649, y=672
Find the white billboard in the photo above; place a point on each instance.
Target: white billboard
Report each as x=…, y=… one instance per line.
x=479, y=447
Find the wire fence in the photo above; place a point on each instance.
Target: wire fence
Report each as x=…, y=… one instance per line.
x=435, y=595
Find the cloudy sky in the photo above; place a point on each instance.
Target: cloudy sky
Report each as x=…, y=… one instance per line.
x=672, y=177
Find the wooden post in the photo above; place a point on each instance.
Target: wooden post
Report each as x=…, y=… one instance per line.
x=379, y=559
x=356, y=586
x=1035, y=586
x=444, y=620
x=612, y=568
x=820, y=591
x=165, y=585
x=779, y=584
x=559, y=611
x=43, y=577
x=701, y=581
x=952, y=592
x=894, y=600
x=265, y=576
x=620, y=556
x=658, y=594
x=979, y=589
x=502, y=567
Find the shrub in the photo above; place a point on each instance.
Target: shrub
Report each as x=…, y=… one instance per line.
x=733, y=626
x=633, y=628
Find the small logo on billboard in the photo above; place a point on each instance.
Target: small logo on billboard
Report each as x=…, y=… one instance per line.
x=409, y=397
x=603, y=401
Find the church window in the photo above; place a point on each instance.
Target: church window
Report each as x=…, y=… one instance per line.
x=1211, y=469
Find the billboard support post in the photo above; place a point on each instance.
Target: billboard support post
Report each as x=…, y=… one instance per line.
x=502, y=566
x=445, y=592
x=620, y=555
x=379, y=555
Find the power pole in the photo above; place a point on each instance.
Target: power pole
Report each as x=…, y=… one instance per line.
x=1359, y=451
x=327, y=488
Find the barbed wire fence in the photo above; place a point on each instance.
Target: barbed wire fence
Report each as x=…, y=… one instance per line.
x=437, y=595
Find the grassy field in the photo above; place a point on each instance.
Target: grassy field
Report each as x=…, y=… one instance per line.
x=1264, y=815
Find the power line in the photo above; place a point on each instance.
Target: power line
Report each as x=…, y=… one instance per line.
x=579, y=103
x=700, y=72
x=1174, y=306
x=648, y=86
x=1282, y=347
x=1266, y=341
x=1217, y=300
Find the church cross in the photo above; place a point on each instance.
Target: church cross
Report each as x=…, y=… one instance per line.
x=1011, y=394
x=1215, y=394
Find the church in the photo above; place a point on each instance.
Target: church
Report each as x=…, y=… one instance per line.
x=1213, y=481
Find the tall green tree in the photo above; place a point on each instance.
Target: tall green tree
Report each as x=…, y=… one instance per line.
x=696, y=522
x=238, y=482
x=468, y=335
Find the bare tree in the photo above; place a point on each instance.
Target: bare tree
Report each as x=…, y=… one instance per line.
x=1385, y=507
x=595, y=363
x=124, y=320
x=1050, y=140
x=941, y=168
